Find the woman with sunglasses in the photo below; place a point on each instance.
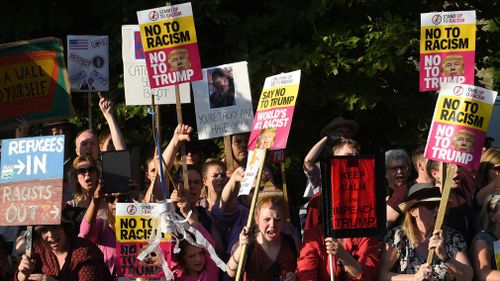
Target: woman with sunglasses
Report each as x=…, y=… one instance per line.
x=86, y=180
x=57, y=255
x=483, y=249
x=487, y=179
x=102, y=231
x=404, y=256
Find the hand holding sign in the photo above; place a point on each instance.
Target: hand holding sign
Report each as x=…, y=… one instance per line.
x=26, y=267
x=183, y=132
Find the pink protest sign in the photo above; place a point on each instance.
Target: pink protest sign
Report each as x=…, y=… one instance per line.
x=460, y=124
x=272, y=121
x=170, y=45
x=447, y=46
x=134, y=227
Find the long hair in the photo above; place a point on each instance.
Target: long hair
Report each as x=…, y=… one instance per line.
x=490, y=206
x=77, y=188
x=490, y=158
x=411, y=229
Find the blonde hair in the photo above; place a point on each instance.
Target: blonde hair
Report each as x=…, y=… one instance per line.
x=490, y=206
x=489, y=158
x=410, y=228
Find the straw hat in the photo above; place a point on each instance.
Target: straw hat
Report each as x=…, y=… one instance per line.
x=421, y=194
x=269, y=190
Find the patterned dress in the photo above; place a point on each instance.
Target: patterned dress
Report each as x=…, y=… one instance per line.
x=410, y=260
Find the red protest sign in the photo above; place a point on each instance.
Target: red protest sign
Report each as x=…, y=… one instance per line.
x=35, y=202
x=354, y=196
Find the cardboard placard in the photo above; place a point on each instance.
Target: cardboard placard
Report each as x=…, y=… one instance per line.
x=273, y=118
x=133, y=229
x=170, y=45
x=34, y=82
x=459, y=125
x=135, y=75
x=353, y=196
x=223, y=101
x=88, y=63
x=447, y=49
x=31, y=181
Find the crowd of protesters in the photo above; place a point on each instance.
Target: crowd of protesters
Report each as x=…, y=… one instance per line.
x=83, y=246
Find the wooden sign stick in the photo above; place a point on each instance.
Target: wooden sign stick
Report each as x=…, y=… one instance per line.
x=445, y=195
x=228, y=149
x=89, y=97
x=178, y=109
x=243, y=252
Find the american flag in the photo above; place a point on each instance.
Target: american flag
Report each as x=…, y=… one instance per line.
x=78, y=44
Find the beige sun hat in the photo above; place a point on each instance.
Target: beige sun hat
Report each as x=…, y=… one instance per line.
x=421, y=194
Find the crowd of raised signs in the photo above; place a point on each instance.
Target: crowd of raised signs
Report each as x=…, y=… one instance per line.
x=83, y=246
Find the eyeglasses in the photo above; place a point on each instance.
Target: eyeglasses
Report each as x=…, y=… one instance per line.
x=496, y=168
x=396, y=168
x=83, y=171
x=122, y=198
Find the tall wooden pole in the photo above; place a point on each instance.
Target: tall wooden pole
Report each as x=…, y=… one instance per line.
x=445, y=195
x=243, y=251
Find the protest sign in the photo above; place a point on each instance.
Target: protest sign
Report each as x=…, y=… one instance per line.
x=255, y=160
x=135, y=76
x=34, y=82
x=133, y=229
x=276, y=156
x=459, y=125
x=170, y=45
x=447, y=48
x=31, y=181
x=88, y=63
x=353, y=196
x=273, y=118
x=223, y=101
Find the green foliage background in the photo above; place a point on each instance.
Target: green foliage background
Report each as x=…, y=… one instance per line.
x=358, y=58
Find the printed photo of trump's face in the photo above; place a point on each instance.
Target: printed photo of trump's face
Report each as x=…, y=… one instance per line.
x=178, y=59
x=453, y=65
x=266, y=138
x=463, y=141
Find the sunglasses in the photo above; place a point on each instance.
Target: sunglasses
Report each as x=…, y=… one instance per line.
x=122, y=198
x=83, y=171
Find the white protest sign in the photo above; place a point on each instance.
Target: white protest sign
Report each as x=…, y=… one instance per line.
x=135, y=75
x=223, y=101
x=255, y=157
x=88, y=63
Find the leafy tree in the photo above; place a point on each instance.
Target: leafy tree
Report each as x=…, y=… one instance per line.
x=358, y=58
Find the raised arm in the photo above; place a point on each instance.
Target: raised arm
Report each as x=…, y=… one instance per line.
x=229, y=194
x=181, y=133
x=106, y=107
x=313, y=154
